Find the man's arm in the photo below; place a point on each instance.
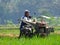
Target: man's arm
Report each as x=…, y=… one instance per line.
x=25, y=20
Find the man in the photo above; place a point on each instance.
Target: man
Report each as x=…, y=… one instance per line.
x=24, y=21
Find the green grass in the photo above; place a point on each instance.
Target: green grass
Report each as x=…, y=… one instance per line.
x=9, y=31
x=52, y=39
x=57, y=28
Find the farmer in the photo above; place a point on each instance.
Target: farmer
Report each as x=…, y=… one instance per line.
x=26, y=18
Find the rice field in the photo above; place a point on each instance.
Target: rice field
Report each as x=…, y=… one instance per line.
x=52, y=39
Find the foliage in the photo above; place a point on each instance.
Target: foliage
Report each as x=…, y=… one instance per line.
x=13, y=9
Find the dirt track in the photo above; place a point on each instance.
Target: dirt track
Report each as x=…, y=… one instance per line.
x=14, y=35
x=8, y=35
x=57, y=32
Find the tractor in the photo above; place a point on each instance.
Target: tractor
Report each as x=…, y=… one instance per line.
x=42, y=28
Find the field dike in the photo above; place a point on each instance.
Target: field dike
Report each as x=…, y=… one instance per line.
x=16, y=35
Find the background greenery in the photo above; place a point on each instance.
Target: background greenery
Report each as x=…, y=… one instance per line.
x=11, y=10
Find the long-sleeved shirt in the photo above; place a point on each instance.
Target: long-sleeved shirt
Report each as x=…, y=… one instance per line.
x=24, y=21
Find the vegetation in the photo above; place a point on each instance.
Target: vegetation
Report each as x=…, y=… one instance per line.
x=52, y=39
x=14, y=9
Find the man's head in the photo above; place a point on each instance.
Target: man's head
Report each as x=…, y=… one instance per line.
x=27, y=13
